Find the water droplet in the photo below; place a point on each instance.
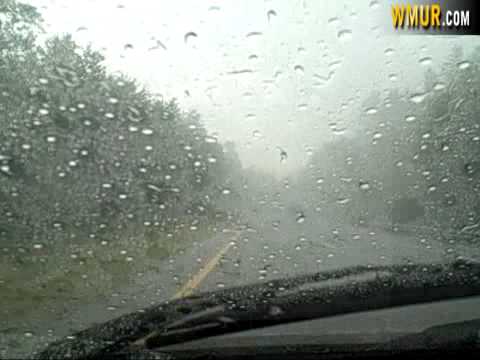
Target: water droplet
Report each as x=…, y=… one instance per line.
x=334, y=65
x=226, y=191
x=300, y=218
x=28, y=334
x=417, y=98
x=220, y=285
x=208, y=139
x=371, y=111
x=51, y=139
x=389, y=52
x=299, y=69
x=393, y=77
x=271, y=14
x=214, y=8
x=333, y=20
x=147, y=131
x=344, y=34
x=301, y=50
x=189, y=36
x=5, y=169
x=256, y=134
x=377, y=135
x=410, y=118
x=109, y=115
x=254, y=34
x=439, y=86
x=463, y=65
x=374, y=4
x=364, y=185
x=113, y=100
x=427, y=60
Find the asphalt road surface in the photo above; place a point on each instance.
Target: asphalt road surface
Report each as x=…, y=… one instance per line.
x=236, y=257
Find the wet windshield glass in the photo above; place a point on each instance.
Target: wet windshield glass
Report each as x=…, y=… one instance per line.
x=152, y=150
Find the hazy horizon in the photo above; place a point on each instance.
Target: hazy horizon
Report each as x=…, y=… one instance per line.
x=310, y=87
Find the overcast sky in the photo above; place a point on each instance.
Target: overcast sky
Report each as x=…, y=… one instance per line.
x=261, y=73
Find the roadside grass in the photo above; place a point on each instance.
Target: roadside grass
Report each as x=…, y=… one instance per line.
x=51, y=279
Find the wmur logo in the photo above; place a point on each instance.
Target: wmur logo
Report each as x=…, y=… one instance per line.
x=431, y=16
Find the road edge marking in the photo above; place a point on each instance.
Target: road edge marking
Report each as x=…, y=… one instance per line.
x=197, y=279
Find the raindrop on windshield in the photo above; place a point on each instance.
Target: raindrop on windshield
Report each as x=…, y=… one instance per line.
x=344, y=34
x=463, y=65
x=299, y=69
x=333, y=20
x=253, y=34
x=187, y=38
x=427, y=60
x=417, y=98
x=271, y=14
x=364, y=185
x=300, y=218
x=389, y=52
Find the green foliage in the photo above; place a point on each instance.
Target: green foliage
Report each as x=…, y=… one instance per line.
x=89, y=158
x=424, y=153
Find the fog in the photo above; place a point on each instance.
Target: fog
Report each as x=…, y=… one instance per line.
x=262, y=74
x=142, y=141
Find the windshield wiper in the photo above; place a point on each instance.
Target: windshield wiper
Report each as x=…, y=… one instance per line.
x=306, y=297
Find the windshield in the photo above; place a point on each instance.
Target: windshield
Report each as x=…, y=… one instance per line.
x=151, y=150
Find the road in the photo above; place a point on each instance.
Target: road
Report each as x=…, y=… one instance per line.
x=231, y=258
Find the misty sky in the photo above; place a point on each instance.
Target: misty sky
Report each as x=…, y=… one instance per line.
x=263, y=74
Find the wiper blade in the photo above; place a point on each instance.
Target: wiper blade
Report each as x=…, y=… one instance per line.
x=306, y=297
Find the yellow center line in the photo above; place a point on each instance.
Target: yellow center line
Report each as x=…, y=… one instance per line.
x=196, y=280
